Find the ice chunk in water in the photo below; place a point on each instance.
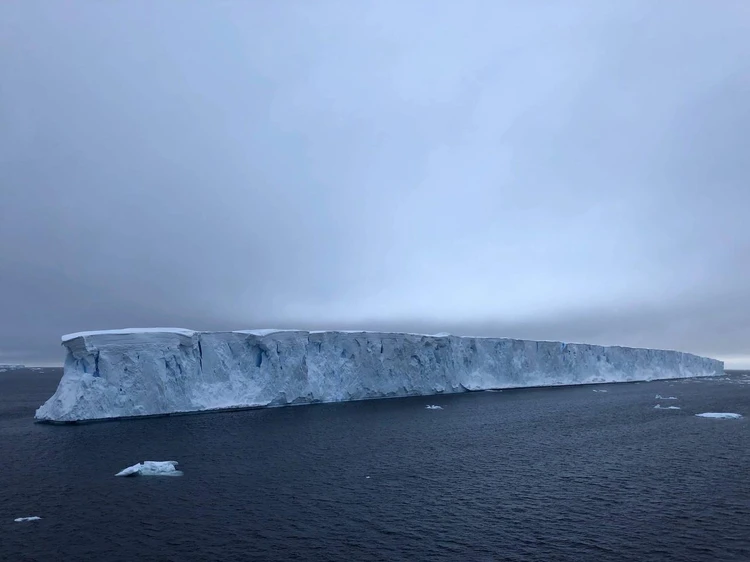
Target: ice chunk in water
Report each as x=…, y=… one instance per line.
x=660, y=407
x=660, y=397
x=720, y=415
x=151, y=468
x=22, y=519
x=434, y=407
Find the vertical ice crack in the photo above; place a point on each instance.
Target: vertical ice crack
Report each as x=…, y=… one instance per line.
x=200, y=354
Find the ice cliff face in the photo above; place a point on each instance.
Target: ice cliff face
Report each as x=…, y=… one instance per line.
x=158, y=371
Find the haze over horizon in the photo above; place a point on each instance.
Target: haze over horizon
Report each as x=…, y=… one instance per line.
x=572, y=172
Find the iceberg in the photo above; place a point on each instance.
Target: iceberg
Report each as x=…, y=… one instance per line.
x=720, y=415
x=151, y=468
x=162, y=371
x=660, y=407
x=660, y=397
x=433, y=407
x=25, y=519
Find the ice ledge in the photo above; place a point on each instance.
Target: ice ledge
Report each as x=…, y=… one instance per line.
x=129, y=331
x=262, y=332
x=258, y=332
x=161, y=371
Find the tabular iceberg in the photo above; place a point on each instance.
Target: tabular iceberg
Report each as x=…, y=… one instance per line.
x=139, y=372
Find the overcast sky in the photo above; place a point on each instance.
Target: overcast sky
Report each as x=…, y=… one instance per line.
x=572, y=170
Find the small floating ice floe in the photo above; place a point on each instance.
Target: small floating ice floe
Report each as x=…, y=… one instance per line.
x=720, y=415
x=660, y=407
x=24, y=519
x=660, y=397
x=599, y=390
x=151, y=468
x=433, y=407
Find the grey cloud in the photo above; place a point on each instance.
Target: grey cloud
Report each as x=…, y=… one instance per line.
x=527, y=169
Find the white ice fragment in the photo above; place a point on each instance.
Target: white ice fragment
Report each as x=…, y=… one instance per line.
x=366, y=476
x=23, y=519
x=599, y=390
x=660, y=397
x=434, y=407
x=151, y=468
x=660, y=407
x=720, y=415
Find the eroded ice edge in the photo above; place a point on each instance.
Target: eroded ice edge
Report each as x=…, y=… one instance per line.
x=157, y=371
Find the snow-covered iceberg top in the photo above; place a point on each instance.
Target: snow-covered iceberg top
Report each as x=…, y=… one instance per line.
x=151, y=468
x=157, y=371
x=129, y=332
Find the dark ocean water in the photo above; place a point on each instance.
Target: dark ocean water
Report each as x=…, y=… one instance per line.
x=538, y=474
